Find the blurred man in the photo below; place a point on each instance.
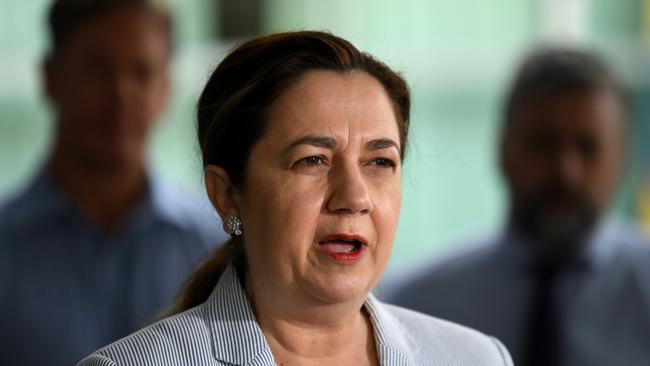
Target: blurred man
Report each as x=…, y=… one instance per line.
x=564, y=284
x=94, y=248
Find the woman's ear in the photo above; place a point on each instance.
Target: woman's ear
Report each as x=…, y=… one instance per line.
x=220, y=191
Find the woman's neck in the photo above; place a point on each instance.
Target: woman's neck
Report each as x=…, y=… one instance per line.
x=316, y=333
x=298, y=343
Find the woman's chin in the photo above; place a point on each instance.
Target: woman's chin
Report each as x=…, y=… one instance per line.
x=334, y=289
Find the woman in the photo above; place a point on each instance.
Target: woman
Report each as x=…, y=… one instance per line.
x=302, y=138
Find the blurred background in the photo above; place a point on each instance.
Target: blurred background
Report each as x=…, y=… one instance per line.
x=458, y=57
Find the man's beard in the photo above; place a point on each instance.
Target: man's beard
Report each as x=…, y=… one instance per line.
x=556, y=222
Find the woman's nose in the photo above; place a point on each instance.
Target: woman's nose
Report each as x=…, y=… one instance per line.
x=349, y=191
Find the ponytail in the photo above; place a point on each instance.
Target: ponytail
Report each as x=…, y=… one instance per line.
x=199, y=285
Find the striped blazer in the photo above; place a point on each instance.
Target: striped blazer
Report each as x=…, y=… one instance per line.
x=223, y=331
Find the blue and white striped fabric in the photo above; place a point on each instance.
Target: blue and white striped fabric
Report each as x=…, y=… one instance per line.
x=223, y=331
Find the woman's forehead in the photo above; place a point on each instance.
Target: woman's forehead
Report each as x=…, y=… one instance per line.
x=334, y=104
x=346, y=89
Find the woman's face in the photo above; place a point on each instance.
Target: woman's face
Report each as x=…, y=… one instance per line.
x=322, y=195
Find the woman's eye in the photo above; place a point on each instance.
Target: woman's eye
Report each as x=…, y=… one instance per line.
x=383, y=163
x=310, y=161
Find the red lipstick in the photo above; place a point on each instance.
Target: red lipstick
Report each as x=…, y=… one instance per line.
x=343, y=248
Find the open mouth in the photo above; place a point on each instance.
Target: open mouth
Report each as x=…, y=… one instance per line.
x=342, y=247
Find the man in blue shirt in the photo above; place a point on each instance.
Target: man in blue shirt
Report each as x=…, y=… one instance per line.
x=564, y=283
x=94, y=248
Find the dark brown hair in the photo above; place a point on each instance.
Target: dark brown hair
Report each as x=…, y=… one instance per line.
x=232, y=116
x=66, y=16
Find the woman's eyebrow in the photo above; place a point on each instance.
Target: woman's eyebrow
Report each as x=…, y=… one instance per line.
x=381, y=144
x=318, y=141
x=330, y=143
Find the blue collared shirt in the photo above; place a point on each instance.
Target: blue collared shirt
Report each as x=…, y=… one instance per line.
x=67, y=289
x=604, y=299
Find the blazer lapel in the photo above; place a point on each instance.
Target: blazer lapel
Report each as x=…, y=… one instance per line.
x=237, y=338
x=394, y=345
